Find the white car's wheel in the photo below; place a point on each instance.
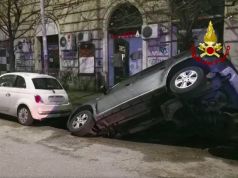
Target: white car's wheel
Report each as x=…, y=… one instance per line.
x=187, y=80
x=24, y=116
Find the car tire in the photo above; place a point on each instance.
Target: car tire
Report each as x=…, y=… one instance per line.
x=187, y=81
x=24, y=116
x=81, y=123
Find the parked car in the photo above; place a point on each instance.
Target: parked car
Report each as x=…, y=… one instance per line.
x=30, y=96
x=158, y=92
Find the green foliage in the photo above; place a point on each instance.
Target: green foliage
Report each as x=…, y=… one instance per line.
x=73, y=82
x=65, y=77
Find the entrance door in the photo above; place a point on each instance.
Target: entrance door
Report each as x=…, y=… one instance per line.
x=53, y=53
x=120, y=60
x=124, y=23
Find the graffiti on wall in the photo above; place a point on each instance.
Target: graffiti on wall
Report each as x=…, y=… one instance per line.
x=158, y=52
x=70, y=63
x=135, y=61
x=24, y=54
x=86, y=58
x=86, y=65
x=69, y=59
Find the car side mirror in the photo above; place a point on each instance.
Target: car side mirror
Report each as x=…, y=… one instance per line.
x=104, y=89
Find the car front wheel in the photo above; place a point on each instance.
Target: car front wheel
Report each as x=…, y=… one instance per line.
x=24, y=116
x=187, y=80
x=81, y=123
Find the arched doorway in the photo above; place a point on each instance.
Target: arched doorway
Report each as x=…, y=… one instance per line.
x=124, y=43
x=52, y=33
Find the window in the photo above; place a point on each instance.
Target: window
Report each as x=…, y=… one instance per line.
x=46, y=83
x=7, y=80
x=20, y=82
x=3, y=52
x=126, y=18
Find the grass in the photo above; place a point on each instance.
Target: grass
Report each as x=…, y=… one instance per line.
x=79, y=97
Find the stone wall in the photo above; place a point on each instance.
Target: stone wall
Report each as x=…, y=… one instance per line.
x=231, y=30
x=75, y=16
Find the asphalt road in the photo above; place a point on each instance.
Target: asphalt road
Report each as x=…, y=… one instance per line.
x=48, y=150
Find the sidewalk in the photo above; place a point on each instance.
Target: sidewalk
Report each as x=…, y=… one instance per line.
x=79, y=97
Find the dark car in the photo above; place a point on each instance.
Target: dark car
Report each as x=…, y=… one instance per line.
x=157, y=93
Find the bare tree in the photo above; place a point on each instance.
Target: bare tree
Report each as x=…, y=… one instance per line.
x=188, y=13
x=184, y=14
x=17, y=17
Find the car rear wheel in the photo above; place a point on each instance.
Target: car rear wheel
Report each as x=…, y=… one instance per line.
x=187, y=80
x=81, y=123
x=24, y=116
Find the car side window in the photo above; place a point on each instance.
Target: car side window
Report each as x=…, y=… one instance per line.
x=2, y=81
x=7, y=80
x=20, y=82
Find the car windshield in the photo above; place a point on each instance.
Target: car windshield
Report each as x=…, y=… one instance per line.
x=46, y=83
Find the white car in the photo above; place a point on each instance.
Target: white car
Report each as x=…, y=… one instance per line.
x=30, y=96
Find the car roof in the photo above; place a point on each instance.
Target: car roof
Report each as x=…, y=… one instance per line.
x=29, y=75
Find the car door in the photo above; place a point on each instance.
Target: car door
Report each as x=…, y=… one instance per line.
x=133, y=93
x=6, y=87
x=17, y=92
x=118, y=96
x=147, y=82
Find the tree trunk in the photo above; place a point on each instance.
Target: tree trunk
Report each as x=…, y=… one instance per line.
x=187, y=41
x=11, y=55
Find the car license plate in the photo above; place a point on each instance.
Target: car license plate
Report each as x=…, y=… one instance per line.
x=56, y=99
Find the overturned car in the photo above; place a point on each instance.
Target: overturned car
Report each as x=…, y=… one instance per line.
x=157, y=93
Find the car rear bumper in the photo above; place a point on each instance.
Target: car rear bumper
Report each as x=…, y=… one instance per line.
x=51, y=111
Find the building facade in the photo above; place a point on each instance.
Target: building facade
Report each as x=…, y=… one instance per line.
x=231, y=30
x=100, y=41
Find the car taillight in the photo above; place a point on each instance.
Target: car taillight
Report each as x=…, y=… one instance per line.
x=38, y=99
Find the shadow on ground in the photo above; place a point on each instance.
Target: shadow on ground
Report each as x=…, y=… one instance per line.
x=168, y=134
x=59, y=123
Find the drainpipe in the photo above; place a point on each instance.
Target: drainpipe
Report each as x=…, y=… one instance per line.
x=97, y=71
x=44, y=37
